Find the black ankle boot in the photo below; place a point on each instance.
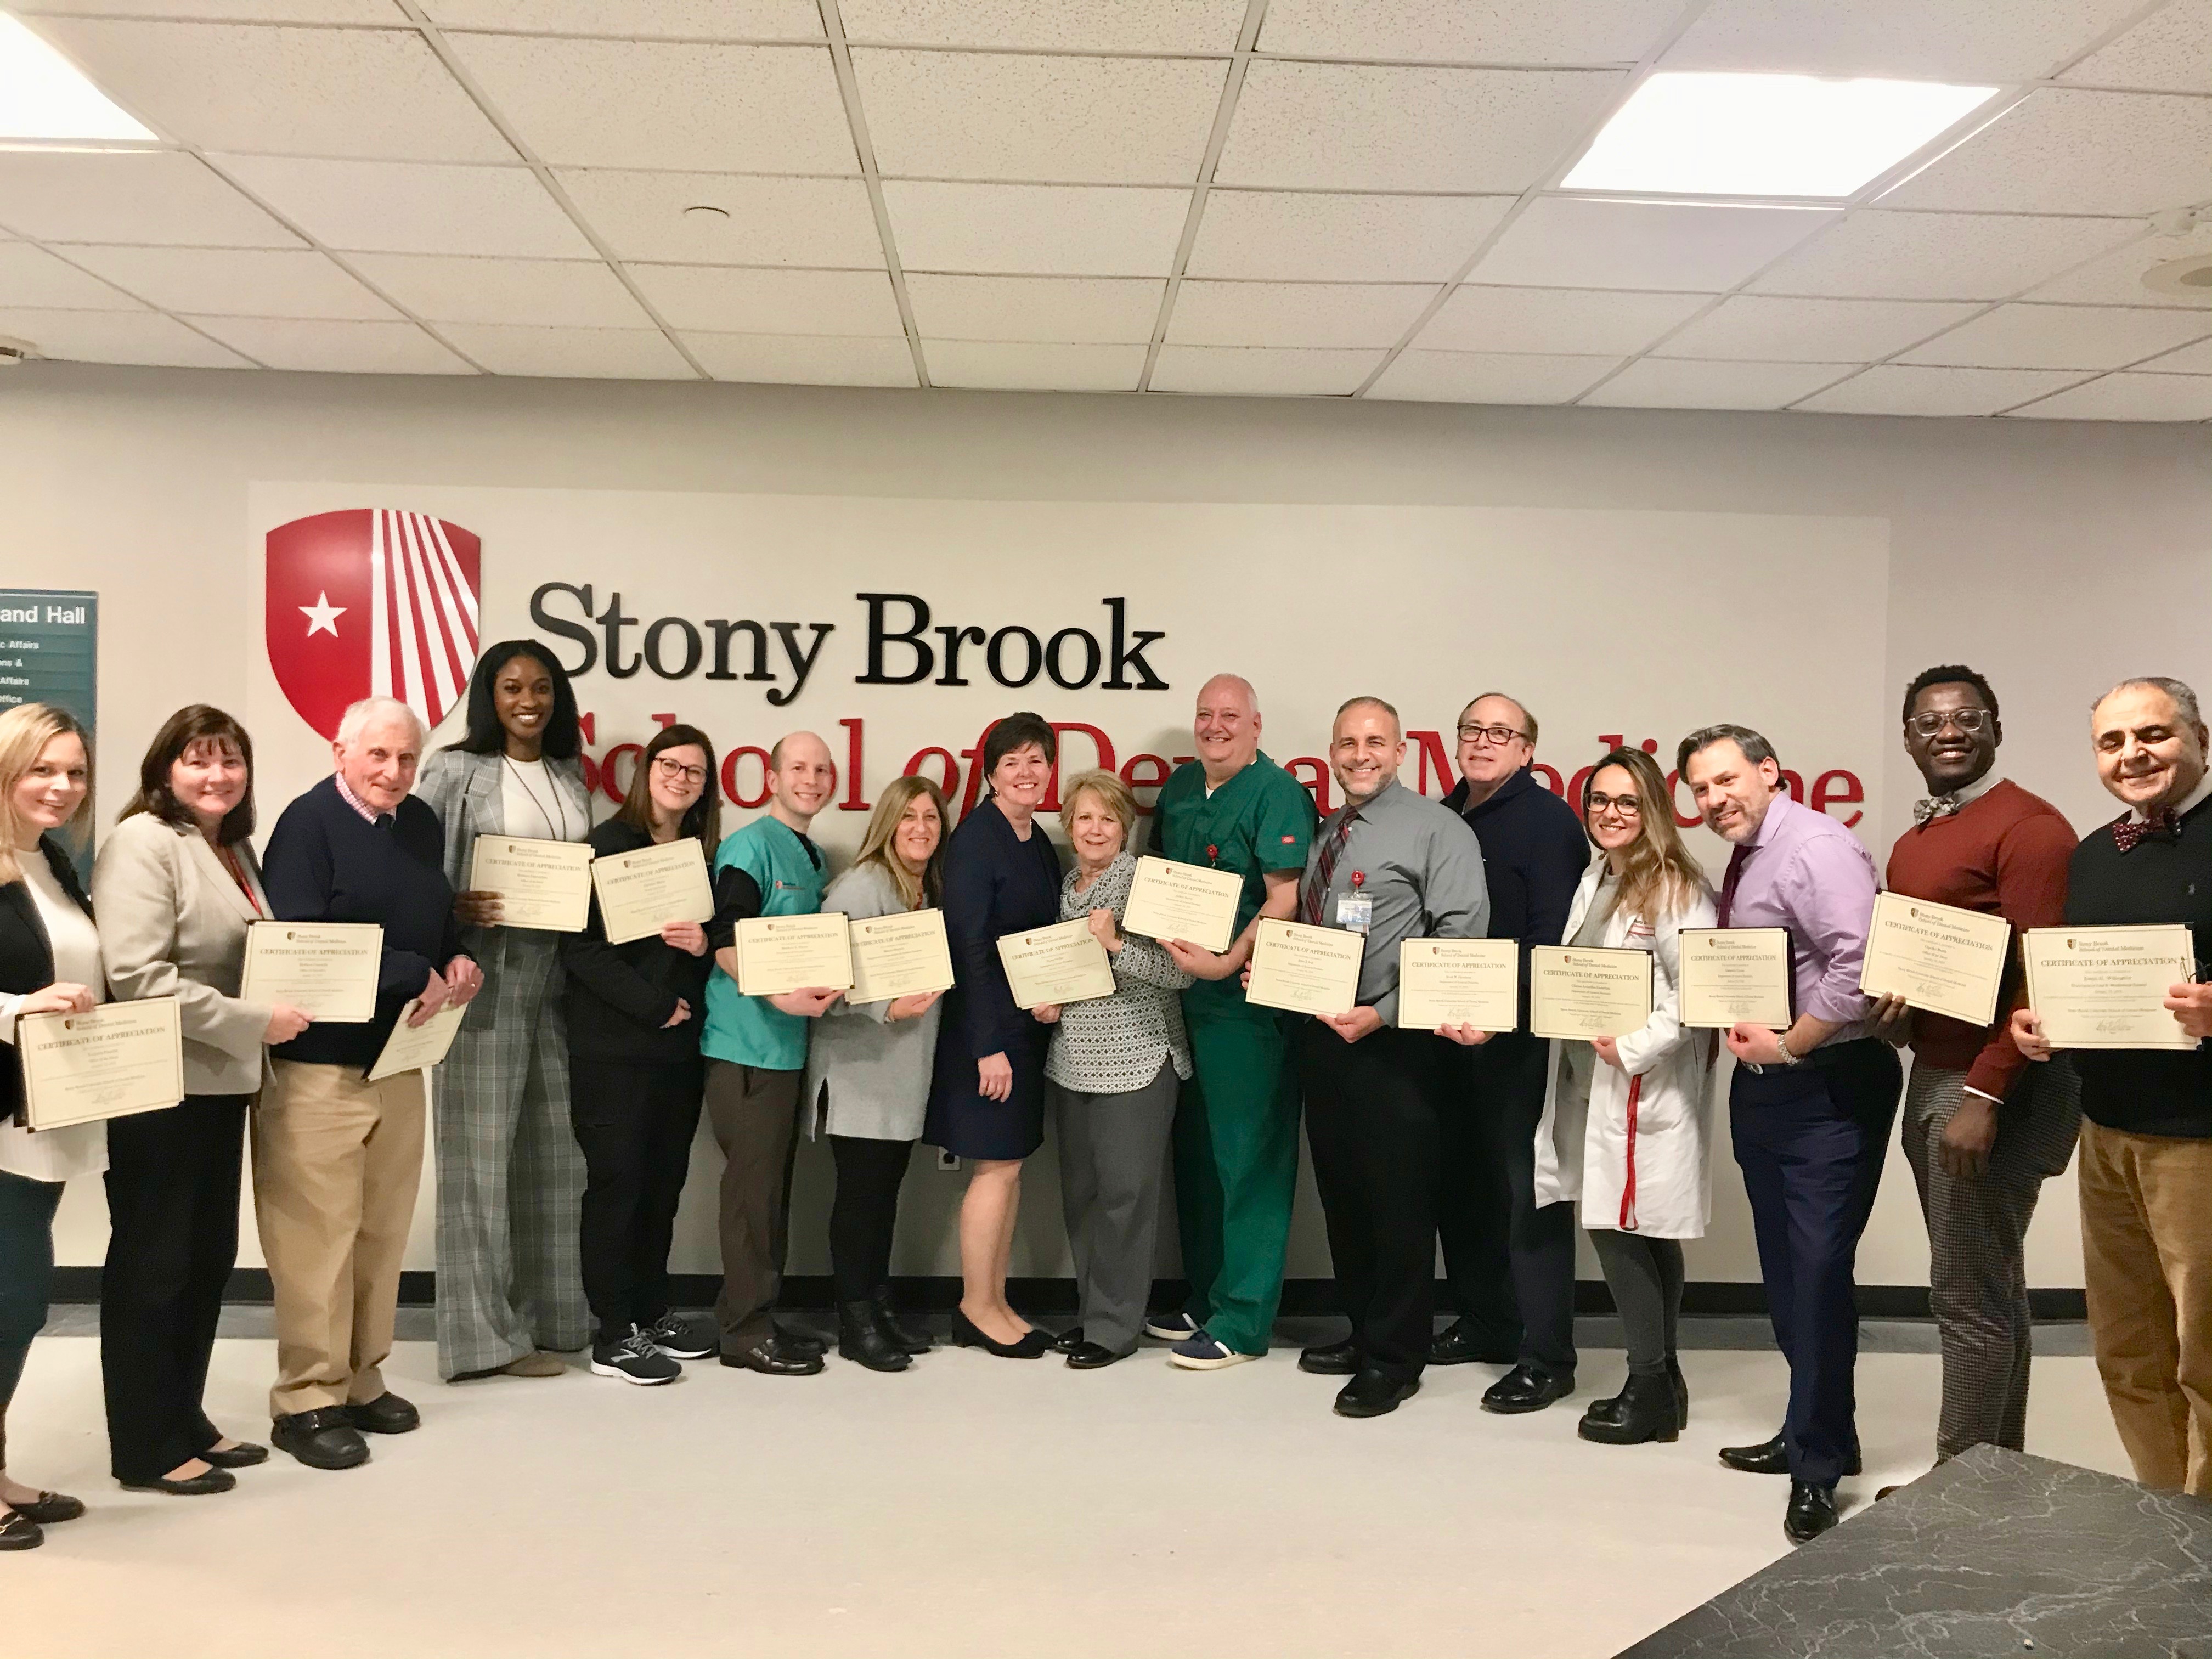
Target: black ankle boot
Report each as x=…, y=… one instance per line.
x=1644, y=1410
x=902, y=1336
x=1681, y=1392
x=859, y=1339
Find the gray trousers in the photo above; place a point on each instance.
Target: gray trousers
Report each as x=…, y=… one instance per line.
x=1113, y=1162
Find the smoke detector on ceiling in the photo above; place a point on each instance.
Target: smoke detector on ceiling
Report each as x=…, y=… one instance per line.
x=2183, y=279
x=14, y=351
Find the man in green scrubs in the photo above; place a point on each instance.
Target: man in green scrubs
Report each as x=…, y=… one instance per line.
x=1237, y=1125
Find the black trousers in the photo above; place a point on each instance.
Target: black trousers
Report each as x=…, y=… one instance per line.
x=1510, y=1264
x=864, y=1214
x=1372, y=1111
x=634, y=1120
x=27, y=1277
x=173, y=1219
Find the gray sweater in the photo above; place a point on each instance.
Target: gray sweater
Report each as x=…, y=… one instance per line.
x=1111, y=1045
x=867, y=1075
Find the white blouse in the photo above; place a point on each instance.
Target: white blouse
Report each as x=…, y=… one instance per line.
x=531, y=805
x=82, y=1148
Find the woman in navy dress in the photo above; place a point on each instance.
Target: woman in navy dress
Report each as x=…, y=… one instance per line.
x=986, y=1099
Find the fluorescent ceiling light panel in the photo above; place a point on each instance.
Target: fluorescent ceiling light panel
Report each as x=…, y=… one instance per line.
x=45, y=99
x=1766, y=135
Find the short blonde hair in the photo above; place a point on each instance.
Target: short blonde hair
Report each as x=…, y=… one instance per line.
x=25, y=732
x=1113, y=794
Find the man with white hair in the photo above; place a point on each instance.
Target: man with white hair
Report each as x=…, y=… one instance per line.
x=336, y=1159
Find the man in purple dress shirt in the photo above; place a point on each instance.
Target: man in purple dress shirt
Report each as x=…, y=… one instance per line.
x=1810, y=1107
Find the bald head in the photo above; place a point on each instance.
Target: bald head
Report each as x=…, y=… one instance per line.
x=1226, y=729
x=801, y=778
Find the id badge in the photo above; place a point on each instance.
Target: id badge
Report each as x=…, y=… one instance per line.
x=1355, y=912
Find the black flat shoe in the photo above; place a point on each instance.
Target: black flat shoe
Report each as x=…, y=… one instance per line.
x=861, y=1340
x=911, y=1337
x=19, y=1532
x=322, y=1439
x=1091, y=1357
x=50, y=1509
x=1331, y=1358
x=1527, y=1388
x=244, y=1455
x=1769, y=1457
x=385, y=1414
x=1032, y=1346
x=775, y=1357
x=1462, y=1344
x=1372, y=1393
x=192, y=1485
x=1644, y=1410
x=1811, y=1511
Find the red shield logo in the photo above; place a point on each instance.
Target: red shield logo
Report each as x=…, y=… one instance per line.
x=371, y=603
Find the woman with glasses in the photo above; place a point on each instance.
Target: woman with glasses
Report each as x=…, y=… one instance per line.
x=1625, y=1126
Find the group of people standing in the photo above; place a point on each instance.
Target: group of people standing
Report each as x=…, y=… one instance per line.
x=568, y=1103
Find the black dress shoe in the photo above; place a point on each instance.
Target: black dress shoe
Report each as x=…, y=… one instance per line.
x=50, y=1509
x=775, y=1358
x=1462, y=1344
x=1527, y=1388
x=911, y=1337
x=192, y=1485
x=1644, y=1410
x=1811, y=1511
x=1769, y=1457
x=322, y=1439
x=800, y=1341
x=1372, y=1393
x=18, y=1531
x=1068, y=1341
x=861, y=1340
x=1032, y=1344
x=1091, y=1357
x=244, y=1455
x=1331, y=1358
x=385, y=1414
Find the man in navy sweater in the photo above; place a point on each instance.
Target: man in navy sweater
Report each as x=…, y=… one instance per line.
x=336, y=1159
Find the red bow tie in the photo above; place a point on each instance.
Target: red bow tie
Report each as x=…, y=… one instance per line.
x=2130, y=831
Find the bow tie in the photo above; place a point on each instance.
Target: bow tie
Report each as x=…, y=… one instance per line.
x=1935, y=806
x=2166, y=822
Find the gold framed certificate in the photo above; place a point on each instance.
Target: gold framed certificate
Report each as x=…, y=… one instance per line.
x=1064, y=963
x=414, y=1048
x=326, y=969
x=546, y=884
x=1937, y=957
x=901, y=955
x=1305, y=969
x=2105, y=988
x=1735, y=976
x=642, y=892
x=1575, y=993
x=776, y=954
x=1188, y=902
x=1459, y=981
x=120, y=1059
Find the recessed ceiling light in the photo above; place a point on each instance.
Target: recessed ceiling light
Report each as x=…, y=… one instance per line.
x=45, y=101
x=2186, y=279
x=1766, y=135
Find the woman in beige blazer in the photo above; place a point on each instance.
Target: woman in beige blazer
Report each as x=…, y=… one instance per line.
x=177, y=885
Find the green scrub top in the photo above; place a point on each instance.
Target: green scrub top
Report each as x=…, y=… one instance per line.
x=1259, y=822
x=750, y=1030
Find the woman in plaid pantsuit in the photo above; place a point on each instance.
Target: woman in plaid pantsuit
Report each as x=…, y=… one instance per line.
x=510, y=1174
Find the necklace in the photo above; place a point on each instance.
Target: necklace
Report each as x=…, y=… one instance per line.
x=556, y=820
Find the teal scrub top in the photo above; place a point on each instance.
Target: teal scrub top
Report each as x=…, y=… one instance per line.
x=749, y=1031
x=1257, y=824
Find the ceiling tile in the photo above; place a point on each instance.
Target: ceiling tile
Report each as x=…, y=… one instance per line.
x=2117, y=279
x=727, y=300
x=634, y=19
x=1059, y=310
x=335, y=348
x=147, y=197
x=1484, y=32
x=2189, y=359
x=377, y=93
x=1344, y=239
x=1489, y=377
x=116, y=336
x=2062, y=337
x=1962, y=41
x=1677, y=383
x=31, y=277
x=1009, y=365
x=236, y=11
x=1939, y=256
x=654, y=104
x=237, y=282
x=1296, y=314
x=1044, y=230
x=526, y=292
x=1812, y=331
x=2130, y=398
x=2170, y=50
x=1564, y=242
x=1006, y=115
x=590, y=354
x=1260, y=372
x=2061, y=150
x=1346, y=126
x=817, y=359
x=1901, y=389
x=1203, y=26
x=1572, y=322
x=398, y=207
x=771, y=222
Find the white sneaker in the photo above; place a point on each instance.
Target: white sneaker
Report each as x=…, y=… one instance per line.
x=633, y=1359
x=1205, y=1353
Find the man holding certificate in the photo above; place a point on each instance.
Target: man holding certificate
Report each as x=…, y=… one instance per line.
x=2147, y=1112
x=1809, y=1108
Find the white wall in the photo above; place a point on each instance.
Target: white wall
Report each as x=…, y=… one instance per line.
x=2055, y=557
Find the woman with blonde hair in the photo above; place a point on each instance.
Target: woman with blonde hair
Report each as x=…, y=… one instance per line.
x=1626, y=1125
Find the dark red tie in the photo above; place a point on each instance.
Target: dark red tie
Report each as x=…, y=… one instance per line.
x=2128, y=831
x=1737, y=859
x=1316, y=887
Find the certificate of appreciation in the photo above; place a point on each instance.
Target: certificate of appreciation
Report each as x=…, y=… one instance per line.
x=901, y=955
x=1736, y=975
x=776, y=954
x=1945, y=960
x=2105, y=988
x=1305, y=969
x=1459, y=981
x=1064, y=963
x=1188, y=902
x=326, y=969
x=642, y=892
x=546, y=884
x=1575, y=992
x=412, y=1047
x=121, y=1057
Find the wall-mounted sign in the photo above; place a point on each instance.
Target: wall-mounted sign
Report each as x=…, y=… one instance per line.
x=50, y=653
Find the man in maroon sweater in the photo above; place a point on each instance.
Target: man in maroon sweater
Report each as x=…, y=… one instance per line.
x=1983, y=1129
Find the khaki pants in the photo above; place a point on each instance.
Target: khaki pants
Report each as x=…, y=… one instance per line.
x=2147, y=1262
x=337, y=1164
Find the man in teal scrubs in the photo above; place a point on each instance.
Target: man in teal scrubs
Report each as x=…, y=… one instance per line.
x=1237, y=1125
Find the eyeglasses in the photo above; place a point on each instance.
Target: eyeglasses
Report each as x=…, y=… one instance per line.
x=1969, y=720
x=1627, y=805
x=673, y=770
x=1497, y=735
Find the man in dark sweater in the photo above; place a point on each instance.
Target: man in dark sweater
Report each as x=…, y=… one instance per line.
x=2147, y=1112
x=1510, y=1265
x=336, y=1159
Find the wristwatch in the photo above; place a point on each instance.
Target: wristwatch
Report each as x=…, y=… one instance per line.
x=1781, y=1048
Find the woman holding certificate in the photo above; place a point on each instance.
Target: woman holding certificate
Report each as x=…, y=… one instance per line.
x=49, y=964
x=510, y=1175
x=986, y=1099
x=1625, y=1125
